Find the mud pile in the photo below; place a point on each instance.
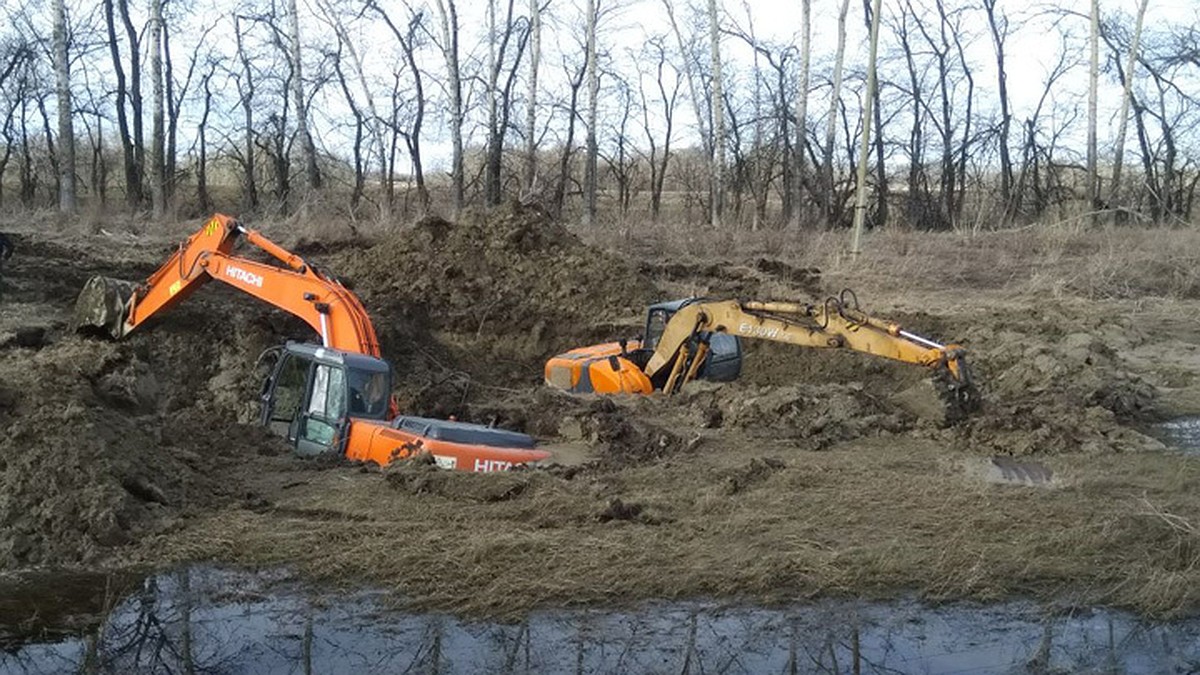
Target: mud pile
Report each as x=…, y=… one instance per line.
x=513, y=276
x=102, y=443
x=1055, y=382
x=815, y=416
x=761, y=279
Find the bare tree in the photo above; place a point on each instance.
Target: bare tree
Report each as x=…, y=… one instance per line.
x=128, y=91
x=718, y=115
x=246, y=87
x=998, y=27
x=448, y=15
x=66, y=133
x=1093, y=178
x=860, y=201
x=797, y=190
x=659, y=157
x=833, y=208
x=529, y=181
x=499, y=95
x=202, y=194
x=407, y=40
x=157, y=189
x=593, y=87
x=1126, y=94
x=308, y=151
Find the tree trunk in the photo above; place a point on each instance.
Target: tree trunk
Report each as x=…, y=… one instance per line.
x=860, y=200
x=1114, y=190
x=833, y=209
x=999, y=31
x=718, y=116
x=202, y=131
x=157, y=190
x=66, y=133
x=1093, y=180
x=133, y=179
x=593, y=81
x=170, y=159
x=136, y=104
x=535, y=57
x=246, y=94
x=308, y=151
x=448, y=14
x=564, y=162
x=802, y=110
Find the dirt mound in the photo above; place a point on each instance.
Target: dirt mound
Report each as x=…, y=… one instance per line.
x=623, y=436
x=104, y=442
x=513, y=274
x=1054, y=381
x=423, y=477
x=763, y=279
x=817, y=416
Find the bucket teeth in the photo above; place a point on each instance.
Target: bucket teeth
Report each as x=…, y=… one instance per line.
x=103, y=305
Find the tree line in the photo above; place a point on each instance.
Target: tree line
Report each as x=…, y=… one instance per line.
x=281, y=107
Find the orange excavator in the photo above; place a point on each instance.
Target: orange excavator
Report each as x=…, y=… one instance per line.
x=334, y=397
x=696, y=338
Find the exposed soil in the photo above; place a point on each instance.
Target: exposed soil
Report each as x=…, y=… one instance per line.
x=809, y=475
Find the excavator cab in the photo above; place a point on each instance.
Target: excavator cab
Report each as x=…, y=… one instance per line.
x=617, y=367
x=312, y=391
x=723, y=360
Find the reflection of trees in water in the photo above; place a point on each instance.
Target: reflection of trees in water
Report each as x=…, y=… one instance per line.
x=209, y=621
x=154, y=630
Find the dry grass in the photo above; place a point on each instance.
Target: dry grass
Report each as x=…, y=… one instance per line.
x=873, y=519
x=1104, y=263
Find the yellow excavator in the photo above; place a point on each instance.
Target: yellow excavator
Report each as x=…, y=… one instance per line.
x=698, y=338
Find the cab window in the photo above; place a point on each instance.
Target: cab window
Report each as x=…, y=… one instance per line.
x=656, y=323
x=326, y=404
x=290, y=383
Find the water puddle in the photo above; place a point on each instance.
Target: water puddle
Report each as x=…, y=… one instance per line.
x=205, y=619
x=1182, y=433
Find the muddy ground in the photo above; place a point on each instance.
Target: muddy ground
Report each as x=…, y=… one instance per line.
x=807, y=477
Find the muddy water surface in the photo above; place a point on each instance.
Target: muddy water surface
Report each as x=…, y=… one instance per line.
x=205, y=619
x=1182, y=433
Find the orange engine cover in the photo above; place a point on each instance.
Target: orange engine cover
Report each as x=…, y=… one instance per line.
x=384, y=442
x=597, y=369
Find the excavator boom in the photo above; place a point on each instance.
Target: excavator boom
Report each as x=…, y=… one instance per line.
x=300, y=289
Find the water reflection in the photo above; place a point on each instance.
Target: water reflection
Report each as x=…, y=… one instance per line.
x=205, y=620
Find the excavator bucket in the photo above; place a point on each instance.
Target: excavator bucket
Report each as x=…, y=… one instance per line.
x=945, y=398
x=103, y=305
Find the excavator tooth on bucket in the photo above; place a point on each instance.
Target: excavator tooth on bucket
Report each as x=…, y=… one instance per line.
x=103, y=305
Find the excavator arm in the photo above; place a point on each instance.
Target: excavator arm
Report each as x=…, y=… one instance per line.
x=832, y=325
x=298, y=288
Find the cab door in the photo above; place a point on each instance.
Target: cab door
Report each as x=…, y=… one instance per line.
x=324, y=412
x=305, y=402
